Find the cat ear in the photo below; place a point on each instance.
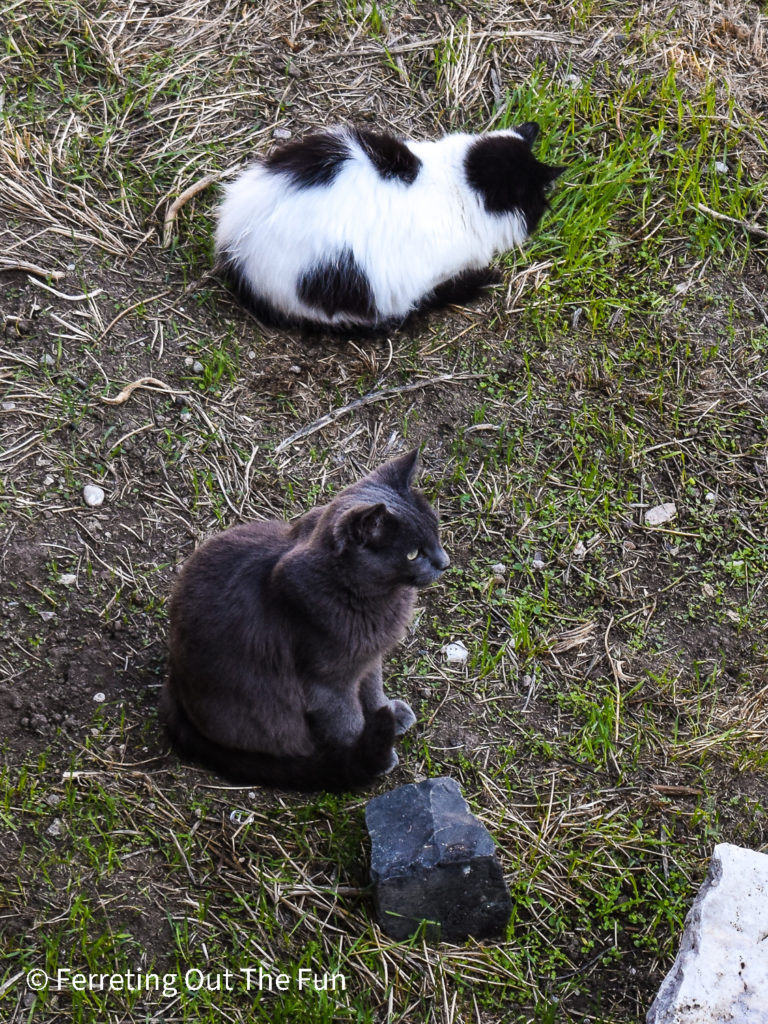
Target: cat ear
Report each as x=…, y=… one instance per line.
x=365, y=526
x=529, y=131
x=398, y=473
x=553, y=172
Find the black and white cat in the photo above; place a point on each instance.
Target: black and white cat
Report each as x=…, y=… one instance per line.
x=350, y=228
x=277, y=632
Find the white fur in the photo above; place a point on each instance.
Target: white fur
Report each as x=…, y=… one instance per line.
x=407, y=238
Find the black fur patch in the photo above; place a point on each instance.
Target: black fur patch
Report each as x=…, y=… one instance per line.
x=529, y=131
x=338, y=285
x=461, y=289
x=315, y=160
x=390, y=156
x=508, y=176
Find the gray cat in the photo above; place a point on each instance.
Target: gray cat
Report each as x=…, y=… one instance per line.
x=277, y=632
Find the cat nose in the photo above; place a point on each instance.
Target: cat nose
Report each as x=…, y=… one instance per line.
x=441, y=561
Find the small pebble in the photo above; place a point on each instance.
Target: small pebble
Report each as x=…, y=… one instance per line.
x=721, y=167
x=8, y=406
x=49, y=481
x=46, y=359
x=47, y=616
x=56, y=828
x=188, y=360
x=54, y=799
x=197, y=367
x=660, y=514
x=498, y=569
x=281, y=134
x=580, y=550
x=538, y=560
x=99, y=697
x=251, y=354
x=456, y=653
x=710, y=496
x=67, y=579
x=93, y=495
x=185, y=416
x=294, y=369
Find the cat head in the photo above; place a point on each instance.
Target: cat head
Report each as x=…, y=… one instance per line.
x=387, y=531
x=502, y=169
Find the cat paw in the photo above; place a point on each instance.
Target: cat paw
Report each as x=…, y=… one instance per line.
x=393, y=764
x=404, y=716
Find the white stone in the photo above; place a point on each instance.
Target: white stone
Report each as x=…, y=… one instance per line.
x=46, y=359
x=241, y=817
x=456, y=653
x=56, y=828
x=710, y=496
x=67, y=579
x=538, y=560
x=49, y=480
x=721, y=167
x=580, y=550
x=93, y=495
x=281, y=134
x=721, y=971
x=99, y=697
x=8, y=406
x=197, y=366
x=498, y=569
x=185, y=416
x=660, y=514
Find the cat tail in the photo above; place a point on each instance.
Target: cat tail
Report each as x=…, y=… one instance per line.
x=336, y=769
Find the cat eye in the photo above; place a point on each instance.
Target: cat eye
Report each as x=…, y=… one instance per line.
x=412, y=554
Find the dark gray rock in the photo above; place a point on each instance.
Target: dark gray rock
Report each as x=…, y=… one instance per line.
x=433, y=861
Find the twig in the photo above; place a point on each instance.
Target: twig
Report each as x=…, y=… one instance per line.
x=616, y=678
x=30, y=268
x=753, y=229
x=678, y=790
x=130, y=309
x=369, y=399
x=63, y=295
x=131, y=433
x=146, y=383
x=176, y=205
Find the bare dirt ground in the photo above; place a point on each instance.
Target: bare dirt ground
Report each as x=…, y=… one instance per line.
x=610, y=725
